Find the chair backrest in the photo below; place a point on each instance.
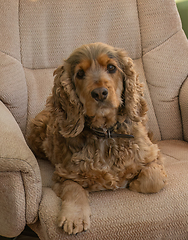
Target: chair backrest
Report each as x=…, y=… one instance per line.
x=36, y=35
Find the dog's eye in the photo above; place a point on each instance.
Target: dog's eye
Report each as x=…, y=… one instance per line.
x=111, y=68
x=80, y=74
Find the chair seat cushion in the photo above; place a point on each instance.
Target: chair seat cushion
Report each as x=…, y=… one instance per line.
x=123, y=214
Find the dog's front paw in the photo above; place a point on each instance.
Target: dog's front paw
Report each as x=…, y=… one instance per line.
x=150, y=180
x=74, y=218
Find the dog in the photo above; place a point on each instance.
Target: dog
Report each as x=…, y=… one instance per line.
x=93, y=130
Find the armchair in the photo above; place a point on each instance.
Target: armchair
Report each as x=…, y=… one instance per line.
x=35, y=35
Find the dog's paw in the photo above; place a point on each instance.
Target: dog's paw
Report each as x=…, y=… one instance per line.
x=150, y=180
x=74, y=218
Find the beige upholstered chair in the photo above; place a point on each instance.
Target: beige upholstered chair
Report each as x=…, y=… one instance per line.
x=35, y=37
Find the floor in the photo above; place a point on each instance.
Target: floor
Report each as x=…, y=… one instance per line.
x=27, y=234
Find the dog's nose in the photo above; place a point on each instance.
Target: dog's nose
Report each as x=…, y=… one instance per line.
x=99, y=94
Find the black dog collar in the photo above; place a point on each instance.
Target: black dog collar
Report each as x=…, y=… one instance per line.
x=109, y=133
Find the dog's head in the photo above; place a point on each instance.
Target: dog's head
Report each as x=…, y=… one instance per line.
x=97, y=81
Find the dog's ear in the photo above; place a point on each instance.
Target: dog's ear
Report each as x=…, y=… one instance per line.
x=133, y=104
x=65, y=104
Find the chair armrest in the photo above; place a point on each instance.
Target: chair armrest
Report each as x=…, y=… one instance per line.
x=20, y=178
x=183, y=101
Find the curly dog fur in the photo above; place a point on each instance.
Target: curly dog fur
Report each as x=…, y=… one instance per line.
x=96, y=89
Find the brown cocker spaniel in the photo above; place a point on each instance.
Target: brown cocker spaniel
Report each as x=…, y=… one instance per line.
x=93, y=131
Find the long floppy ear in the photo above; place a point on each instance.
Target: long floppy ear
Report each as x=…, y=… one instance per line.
x=65, y=104
x=133, y=105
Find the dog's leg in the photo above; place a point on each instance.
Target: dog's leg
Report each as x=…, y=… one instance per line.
x=75, y=211
x=151, y=179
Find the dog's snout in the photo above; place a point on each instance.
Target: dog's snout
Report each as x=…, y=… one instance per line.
x=99, y=94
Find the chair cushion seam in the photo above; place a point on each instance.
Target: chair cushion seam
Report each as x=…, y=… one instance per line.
x=166, y=40
x=10, y=56
x=168, y=155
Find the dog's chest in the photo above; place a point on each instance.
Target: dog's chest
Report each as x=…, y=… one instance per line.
x=98, y=163
x=109, y=165
x=102, y=146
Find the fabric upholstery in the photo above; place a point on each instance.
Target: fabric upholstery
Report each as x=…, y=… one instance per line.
x=163, y=86
x=182, y=6
x=9, y=24
x=13, y=90
x=38, y=91
x=51, y=30
x=12, y=205
x=152, y=123
x=157, y=29
x=184, y=108
x=20, y=177
x=35, y=37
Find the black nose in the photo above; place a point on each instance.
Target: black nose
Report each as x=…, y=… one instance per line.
x=99, y=94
